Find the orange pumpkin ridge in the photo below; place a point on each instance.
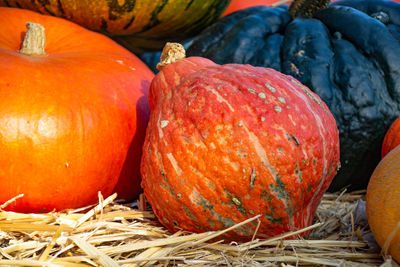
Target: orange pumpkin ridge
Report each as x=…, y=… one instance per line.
x=67, y=117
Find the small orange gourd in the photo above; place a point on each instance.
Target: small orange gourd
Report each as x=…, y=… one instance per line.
x=383, y=203
x=392, y=138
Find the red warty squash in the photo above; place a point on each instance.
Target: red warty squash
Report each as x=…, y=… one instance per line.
x=392, y=138
x=145, y=24
x=71, y=106
x=228, y=142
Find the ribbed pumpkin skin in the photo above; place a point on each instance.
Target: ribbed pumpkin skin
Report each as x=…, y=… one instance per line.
x=67, y=119
x=148, y=22
x=225, y=143
x=383, y=202
x=344, y=55
x=392, y=138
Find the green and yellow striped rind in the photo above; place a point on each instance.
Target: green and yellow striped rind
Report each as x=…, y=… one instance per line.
x=152, y=22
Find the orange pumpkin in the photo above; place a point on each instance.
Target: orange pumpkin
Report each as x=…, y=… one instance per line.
x=392, y=138
x=383, y=203
x=242, y=4
x=70, y=109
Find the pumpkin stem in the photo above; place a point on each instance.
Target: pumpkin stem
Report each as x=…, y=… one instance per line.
x=34, y=40
x=171, y=53
x=307, y=8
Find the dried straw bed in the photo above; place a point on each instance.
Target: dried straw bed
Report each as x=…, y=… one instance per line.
x=112, y=234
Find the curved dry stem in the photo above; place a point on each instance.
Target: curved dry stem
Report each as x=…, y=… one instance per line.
x=171, y=53
x=34, y=40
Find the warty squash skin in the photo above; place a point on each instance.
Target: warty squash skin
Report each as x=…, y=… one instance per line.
x=144, y=24
x=228, y=142
x=348, y=54
x=69, y=116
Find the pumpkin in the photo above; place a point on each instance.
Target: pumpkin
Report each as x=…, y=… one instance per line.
x=383, y=204
x=228, y=142
x=348, y=53
x=236, y=5
x=392, y=138
x=73, y=111
x=140, y=25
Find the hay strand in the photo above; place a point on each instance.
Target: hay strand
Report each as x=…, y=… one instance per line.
x=5, y=204
x=96, y=209
x=388, y=241
x=94, y=253
x=46, y=252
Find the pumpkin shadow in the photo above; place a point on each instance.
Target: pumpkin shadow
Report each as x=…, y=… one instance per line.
x=22, y=36
x=128, y=187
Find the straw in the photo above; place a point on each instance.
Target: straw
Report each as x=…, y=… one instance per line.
x=117, y=234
